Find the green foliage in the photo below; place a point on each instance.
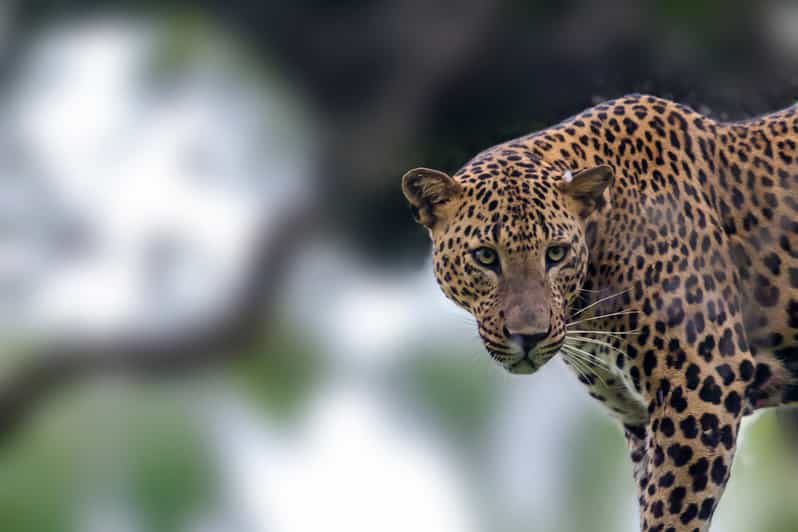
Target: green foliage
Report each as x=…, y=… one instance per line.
x=280, y=372
x=764, y=478
x=168, y=477
x=459, y=395
x=95, y=441
x=34, y=477
x=598, y=476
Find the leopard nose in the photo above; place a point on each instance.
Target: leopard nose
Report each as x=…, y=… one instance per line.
x=526, y=342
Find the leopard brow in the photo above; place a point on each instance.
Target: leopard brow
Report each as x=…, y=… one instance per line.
x=495, y=231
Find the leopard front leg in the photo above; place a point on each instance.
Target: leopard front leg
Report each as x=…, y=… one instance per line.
x=690, y=437
x=636, y=441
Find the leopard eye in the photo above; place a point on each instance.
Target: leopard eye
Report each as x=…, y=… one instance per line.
x=556, y=254
x=486, y=257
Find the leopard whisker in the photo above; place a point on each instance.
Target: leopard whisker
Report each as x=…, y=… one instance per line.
x=587, y=367
x=594, y=358
x=573, y=362
x=602, y=336
x=593, y=304
x=608, y=333
x=616, y=335
x=620, y=313
x=577, y=356
x=597, y=342
x=590, y=361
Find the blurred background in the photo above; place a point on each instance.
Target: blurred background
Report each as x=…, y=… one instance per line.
x=216, y=312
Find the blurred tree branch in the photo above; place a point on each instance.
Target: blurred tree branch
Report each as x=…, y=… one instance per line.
x=43, y=372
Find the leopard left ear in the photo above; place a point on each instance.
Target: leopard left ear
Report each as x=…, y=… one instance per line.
x=428, y=192
x=586, y=188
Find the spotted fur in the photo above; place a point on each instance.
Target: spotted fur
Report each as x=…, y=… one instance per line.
x=681, y=276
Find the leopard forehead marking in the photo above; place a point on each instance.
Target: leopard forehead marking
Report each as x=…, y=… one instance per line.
x=516, y=210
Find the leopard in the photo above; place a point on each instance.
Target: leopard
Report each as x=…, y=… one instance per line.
x=654, y=250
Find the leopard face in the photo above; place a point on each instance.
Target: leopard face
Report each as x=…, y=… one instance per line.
x=509, y=246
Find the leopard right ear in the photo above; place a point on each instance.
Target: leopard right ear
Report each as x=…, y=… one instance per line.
x=586, y=188
x=428, y=192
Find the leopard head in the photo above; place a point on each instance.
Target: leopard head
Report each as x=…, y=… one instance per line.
x=509, y=246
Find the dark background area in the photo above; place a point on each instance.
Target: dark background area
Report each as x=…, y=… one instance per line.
x=401, y=84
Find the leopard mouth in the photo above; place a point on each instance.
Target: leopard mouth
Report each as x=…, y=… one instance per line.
x=525, y=366
x=532, y=361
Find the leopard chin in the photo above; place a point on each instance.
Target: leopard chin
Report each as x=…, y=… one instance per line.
x=523, y=367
